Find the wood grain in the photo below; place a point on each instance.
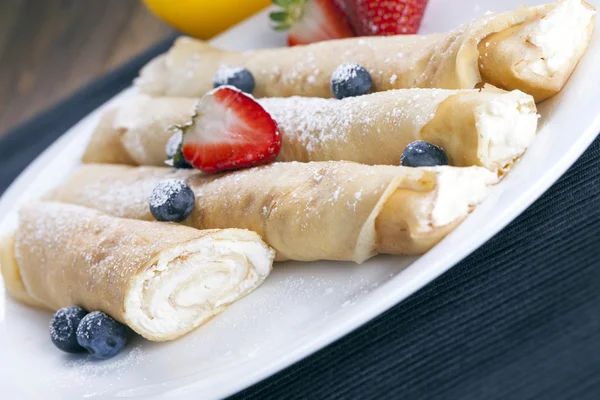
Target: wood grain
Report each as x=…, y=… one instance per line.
x=50, y=48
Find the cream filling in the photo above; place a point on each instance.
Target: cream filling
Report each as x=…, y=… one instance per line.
x=506, y=126
x=456, y=192
x=559, y=35
x=189, y=284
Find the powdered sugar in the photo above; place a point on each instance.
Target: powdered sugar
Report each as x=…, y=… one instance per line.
x=58, y=235
x=371, y=129
x=85, y=369
x=64, y=324
x=312, y=122
x=117, y=190
x=225, y=73
x=317, y=176
x=303, y=70
x=336, y=194
x=345, y=72
x=95, y=317
x=165, y=190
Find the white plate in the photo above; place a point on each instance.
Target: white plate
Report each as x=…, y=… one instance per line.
x=301, y=307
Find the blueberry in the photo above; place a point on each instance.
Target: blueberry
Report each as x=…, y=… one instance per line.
x=238, y=77
x=172, y=200
x=175, y=157
x=101, y=335
x=349, y=80
x=423, y=154
x=63, y=329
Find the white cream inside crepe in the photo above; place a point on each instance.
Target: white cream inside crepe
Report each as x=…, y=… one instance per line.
x=559, y=35
x=507, y=126
x=457, y=191
x=189, y=284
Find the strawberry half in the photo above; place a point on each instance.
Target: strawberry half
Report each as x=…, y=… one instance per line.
x=229, y=130
x=390, y=17
x=310, y=21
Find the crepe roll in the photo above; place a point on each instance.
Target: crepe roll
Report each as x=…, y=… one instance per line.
x=539, y=55
x=487, y=128
x=11, y=274
x=306, y=211
x=533, y=49
x=162, y=280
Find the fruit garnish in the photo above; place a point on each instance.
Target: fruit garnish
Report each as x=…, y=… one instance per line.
x=172, y=200
x=63, y=329
x=349, y=80
x=310, y=21
x=229, y=130
x=101, y=335
x=205, y=18
x=423, y=154
x=238, y=77
x=174, y=157
x=380, y=18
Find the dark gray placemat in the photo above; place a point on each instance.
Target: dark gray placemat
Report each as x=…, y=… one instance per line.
x=518, y=319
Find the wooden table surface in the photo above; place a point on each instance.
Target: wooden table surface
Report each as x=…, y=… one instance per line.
x=49, y=48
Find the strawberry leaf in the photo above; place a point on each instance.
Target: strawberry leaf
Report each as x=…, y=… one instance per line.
x=282, y=27
x=278, y=16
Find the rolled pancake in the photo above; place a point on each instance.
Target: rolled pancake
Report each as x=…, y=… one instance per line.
x=504, y=49
x=538, y=56
x=305, y=211
x=162, y=280
x=11, y=274
x=129, y=134
x=489, y=128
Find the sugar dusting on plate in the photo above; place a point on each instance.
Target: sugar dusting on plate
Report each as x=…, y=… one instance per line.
x=84, y=370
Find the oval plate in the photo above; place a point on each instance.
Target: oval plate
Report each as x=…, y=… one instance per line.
x=302, y=307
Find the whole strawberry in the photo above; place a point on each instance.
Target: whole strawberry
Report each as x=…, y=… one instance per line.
x=310, y=21
x=388, y=17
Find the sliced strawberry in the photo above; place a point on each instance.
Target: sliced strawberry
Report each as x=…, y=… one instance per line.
x=229, y=130
x=310, y=21
x=390, y=17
